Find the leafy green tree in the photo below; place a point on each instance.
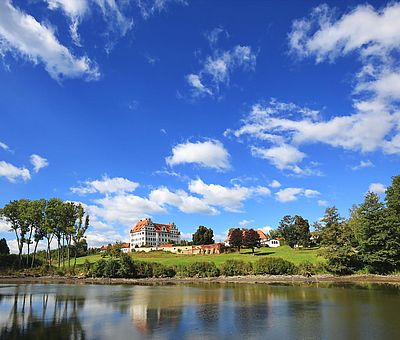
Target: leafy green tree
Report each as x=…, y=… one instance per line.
x=235, y=238
x=4, y=250
x=251, y=239
x=302, y=228
x=36, y=222
x=339, y=242
x=203, y=235
x=287, y=229
x=14, y=214
x=53, y=225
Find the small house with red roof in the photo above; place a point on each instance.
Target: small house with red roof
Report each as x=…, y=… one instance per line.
x=148, y=233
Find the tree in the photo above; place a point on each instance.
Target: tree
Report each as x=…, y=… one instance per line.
x=37, y=219
x=13, y=213
x=203, y=235
x=339, y=242
x=377, y=235
x=251, y=239
x=53, y=225
x=302, y=228
x=235, y=237
x=4, y=250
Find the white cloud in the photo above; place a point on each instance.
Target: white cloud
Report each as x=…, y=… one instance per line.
x=21, y=34
x=124, y=208
x=4, y=225
x=265, y=229
x=181, y=200
x=275, y=184
x=149, y=8
x=365, y=29
x=283, y=157
x=195, y=81
x=323, y=203
x=38, y=162
x=218, y=67
x=4, y=146
x=292, y=194
x=377, y=188
x=245, y=223
x=311, y=193
x=231, y=199
x=362, y=165
x=208, y=154
x=97, y=238
x=106, y=186
x=12, y=173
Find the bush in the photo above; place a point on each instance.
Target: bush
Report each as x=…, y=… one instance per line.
x=127, y=267
x=274, y=266
x=160, y=270
x=198, y=269
x=112, y=268
x=236, y=267
x=98, y=268
x=306, y=268
x=143, y=269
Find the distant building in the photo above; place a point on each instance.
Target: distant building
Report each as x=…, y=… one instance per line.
x=148, y=233
x=273, y=243
x=207, y=249
x=125, y=247
x=263, y=238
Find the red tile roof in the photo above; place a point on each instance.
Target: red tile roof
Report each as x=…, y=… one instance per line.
x=262, y=235
x=142, y=223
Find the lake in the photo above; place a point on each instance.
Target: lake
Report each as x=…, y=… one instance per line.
x=208, y=311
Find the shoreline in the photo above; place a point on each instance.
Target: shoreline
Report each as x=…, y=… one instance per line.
x=249, y=279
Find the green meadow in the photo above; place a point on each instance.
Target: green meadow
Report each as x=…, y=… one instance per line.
x=293, y=255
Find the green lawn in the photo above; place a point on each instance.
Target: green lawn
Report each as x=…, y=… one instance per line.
x=287, y=253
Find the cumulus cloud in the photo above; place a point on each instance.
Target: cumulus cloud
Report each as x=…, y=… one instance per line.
x=230, y=199
x=12, y=173
x=283, y=157
x=149, y=8
x=323, y=203
x=377, y=188
x=106, y=186
x=21, y=34
x=180, y=199
x=38, y=162
x=275, y=184
x=292, y=194
x=245, y=223
x=362, y=165
x=208, y=154
x=218, y=67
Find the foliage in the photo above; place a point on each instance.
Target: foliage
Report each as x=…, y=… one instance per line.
x=4, y=250
x=274, y=266
x=236, y=267
x=203, y=235
x=235, y=236
x=251, y=239
x=295, y=230
x=339, y=241
x=198, y=269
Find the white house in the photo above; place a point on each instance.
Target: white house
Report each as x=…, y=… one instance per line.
x=273, y=243
x=146, y=232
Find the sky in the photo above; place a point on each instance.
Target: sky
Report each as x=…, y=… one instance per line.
x=216, y=113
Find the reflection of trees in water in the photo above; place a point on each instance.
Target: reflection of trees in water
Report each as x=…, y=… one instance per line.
x=42, y=316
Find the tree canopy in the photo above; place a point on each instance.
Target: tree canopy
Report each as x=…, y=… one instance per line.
x=203, y=235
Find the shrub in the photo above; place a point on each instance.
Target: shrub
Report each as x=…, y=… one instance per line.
x=199, y=269
x=274, y=266
x=112, y=268
x=236, y=267
x=160, y=270
x=143, y=269
x=98, y=268
x=127, y=267
x=306, y=268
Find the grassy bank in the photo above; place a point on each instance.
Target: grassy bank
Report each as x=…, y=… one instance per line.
x=169, y=259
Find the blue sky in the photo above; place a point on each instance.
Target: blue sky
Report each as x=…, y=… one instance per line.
x=203, y=113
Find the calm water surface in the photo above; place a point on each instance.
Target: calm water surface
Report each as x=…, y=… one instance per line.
x=241, y=311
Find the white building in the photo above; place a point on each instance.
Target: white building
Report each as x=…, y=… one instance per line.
x=145, y=232
x=273, y=243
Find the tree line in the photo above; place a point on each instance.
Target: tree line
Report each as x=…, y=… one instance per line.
x=33, y=221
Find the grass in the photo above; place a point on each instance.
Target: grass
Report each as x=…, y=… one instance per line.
x=293, y=255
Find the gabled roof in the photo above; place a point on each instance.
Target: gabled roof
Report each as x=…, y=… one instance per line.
x=260, y=233
x=147, y=221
